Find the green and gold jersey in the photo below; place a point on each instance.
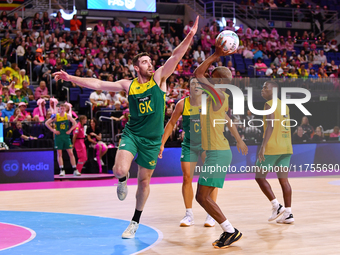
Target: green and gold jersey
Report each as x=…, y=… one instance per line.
x=212, y=135
x=191, y=123
x=62, y=124
x=280, y=142
x=147, y=109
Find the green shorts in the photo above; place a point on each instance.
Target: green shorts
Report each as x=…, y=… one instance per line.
x=215, y=167
x=62, y=142
x=190, y=153
x=273, y=163
x=147, y=149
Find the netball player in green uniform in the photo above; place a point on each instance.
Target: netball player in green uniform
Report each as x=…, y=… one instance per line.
x=62, y=140
x=189, y=108
x=217, y=148
x=143, y=132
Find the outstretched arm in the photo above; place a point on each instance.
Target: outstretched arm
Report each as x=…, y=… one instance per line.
x=169, y=67
x=170, y=125
x=92, y=83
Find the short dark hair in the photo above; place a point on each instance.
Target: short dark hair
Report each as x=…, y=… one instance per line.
x=222, y=72
x=138, y=56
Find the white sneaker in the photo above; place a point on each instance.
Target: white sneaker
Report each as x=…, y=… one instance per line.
x=102, y=162
x=286, y=218
x=276, y=212
x=187, y=221
x=130, y=231
x=122, y=188
x=62, y=173
x=209, y=221
x=76, y=173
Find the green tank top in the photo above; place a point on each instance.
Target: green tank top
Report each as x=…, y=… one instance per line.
x=191, y=123
x=147, y=110
x=62, y=124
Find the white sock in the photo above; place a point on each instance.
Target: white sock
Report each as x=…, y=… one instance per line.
x=275, y=203
x=288, y=210
x=189, y=212
x=227, y=227
x=61, y=167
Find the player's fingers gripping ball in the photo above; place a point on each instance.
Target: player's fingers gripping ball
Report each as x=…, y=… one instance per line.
x=231, y=39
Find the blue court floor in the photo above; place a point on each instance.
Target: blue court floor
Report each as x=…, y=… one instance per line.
x=58, y=233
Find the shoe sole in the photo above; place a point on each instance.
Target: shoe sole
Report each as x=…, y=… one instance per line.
x=224, y=247
x=278, y=215
x=285, y=222
x=185, y=225
x=124, y=237
x=207, y=225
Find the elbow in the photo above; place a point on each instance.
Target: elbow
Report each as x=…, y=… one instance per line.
x=198, y=74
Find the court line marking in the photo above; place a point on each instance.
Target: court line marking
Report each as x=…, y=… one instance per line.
x=160, y=234
x=33, y=235
x=160, y=238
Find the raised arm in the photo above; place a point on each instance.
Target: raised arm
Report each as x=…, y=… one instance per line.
x=170, y=125
x=169, y=67
x=201, y=69
x=93, y=83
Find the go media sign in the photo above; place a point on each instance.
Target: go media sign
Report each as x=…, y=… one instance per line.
x=26, y=166
x=12, y=167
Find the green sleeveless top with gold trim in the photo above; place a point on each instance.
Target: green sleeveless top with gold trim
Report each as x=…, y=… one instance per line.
x=191, y=123
x=62, y=124
x=147, y=109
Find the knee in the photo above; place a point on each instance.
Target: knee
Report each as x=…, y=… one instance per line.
x=119, y=171
x=186, y=179
x=259, y=180
x=144, y=183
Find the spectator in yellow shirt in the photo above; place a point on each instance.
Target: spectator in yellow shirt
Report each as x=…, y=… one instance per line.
x=292, y=74
x=23, y=77
x=322, y=75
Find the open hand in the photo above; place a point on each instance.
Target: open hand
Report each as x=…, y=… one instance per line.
x=194, y=27
x=242, y=147
x=219, y=48
x=61, y=75
x=261, y=154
